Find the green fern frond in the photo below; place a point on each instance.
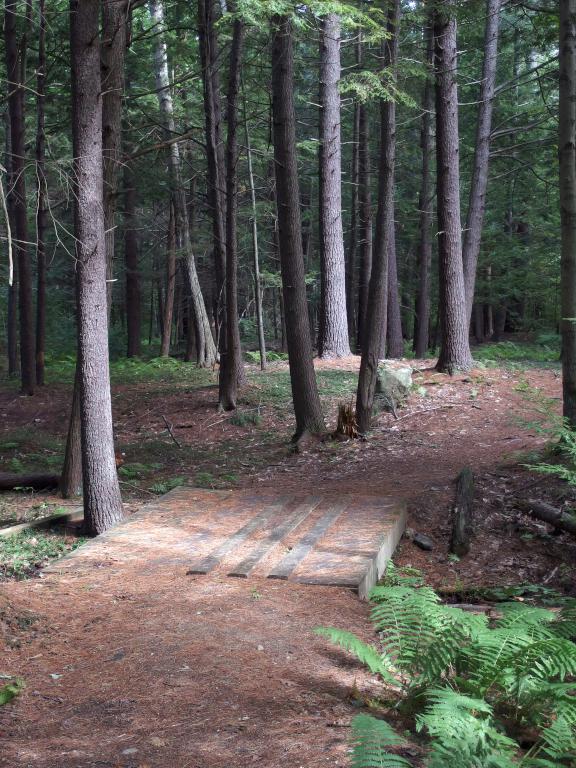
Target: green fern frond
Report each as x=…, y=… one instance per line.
x=463, y=732
x=368, y=655
x=371, y=740
x=559, y=739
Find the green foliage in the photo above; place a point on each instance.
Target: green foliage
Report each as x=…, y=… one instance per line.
x=509, y=352
x=246, y=418
x=474, y=686
x=22, y=554
x=372, y=740
x=11, y=690
x=167, y=485
x=271, y=356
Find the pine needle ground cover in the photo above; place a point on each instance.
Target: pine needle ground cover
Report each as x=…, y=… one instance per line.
x=481, y=692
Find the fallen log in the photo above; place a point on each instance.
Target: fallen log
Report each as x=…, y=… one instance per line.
x=462, y=514
x=549, y=514
x=37, y=480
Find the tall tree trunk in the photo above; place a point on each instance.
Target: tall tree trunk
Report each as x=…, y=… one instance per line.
x=333, y=338
x=102, y=502
x=15, y=69
x=114, y=35
x=422, y=320
x=307, y=408
x=170, y=285
x=205, y=347
x=71, y=478
x=214, y=150
x=455, y=348
x=231, y=368
x=42, y=203
x=477, y=200
x=352, y=254
x=132, y=265
x=364, y=221
x=375, y=326
x=12, y=309
x=567, y=155
x=394, y=338
x=255, y=249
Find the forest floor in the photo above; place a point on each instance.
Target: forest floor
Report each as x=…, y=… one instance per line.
x=125, y=670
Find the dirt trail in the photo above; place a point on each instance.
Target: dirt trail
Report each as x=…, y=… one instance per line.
x=130, y=668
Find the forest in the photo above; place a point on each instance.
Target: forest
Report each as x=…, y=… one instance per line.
x=288, y=294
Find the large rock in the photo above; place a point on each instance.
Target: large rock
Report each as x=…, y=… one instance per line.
x=393, y=386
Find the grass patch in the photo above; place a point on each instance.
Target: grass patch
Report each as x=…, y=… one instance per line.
x=24, y=554
x=519, y=354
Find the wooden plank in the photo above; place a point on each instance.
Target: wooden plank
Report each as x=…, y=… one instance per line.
x=306, y=544
x=209, y=562
x=266, y=544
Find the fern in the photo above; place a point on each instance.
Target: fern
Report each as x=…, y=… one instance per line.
x=377, y=663
x=371, y=739
x=466, y=681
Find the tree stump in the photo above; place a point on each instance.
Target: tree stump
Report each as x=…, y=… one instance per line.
x=462, y=514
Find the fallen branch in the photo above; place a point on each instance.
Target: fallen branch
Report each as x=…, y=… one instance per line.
x=549, y=514
x=37, y=481
x=170, y=432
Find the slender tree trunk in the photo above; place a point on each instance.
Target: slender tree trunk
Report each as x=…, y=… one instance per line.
x=209, y=57
x=255, y=250
x=375, y=329
x=114, y=35
x=333, y=339
x=477, y=201
x=12, y=309
x=352, y=254
x=567, y=155
x=395, y=340
x=422, y=326
x=102, y=502
x=455, y=349
x=170, y=286
x=41, y=205
x=71, y=478
x=364, y=221
x=15, y=68
x=132, y=265
x=307, y=408
x=231, y=367
x=205, y=347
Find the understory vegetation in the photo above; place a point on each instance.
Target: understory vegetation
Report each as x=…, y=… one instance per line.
x=483, y=691
x=24, y=554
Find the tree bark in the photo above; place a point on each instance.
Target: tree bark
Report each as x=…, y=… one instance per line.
x=132, y=265
x=41, y=204
x=421, y=340
x=352, y=254
x=364, y=221
x=170, y=285
x=15, y=69
x=112, y=50
x=231, y=367
x=479, y=182
x=102, y=502
x=333, y=338
x=307, y=408
x=455, y=349
x=209, y=57
x=12, y=308
x=567, y=170
x=255, y=250
x=71, y=479
x=205, y=347
x=376, y=317
x=395, y=339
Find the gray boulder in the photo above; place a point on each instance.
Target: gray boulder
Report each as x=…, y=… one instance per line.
x=393, y=386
